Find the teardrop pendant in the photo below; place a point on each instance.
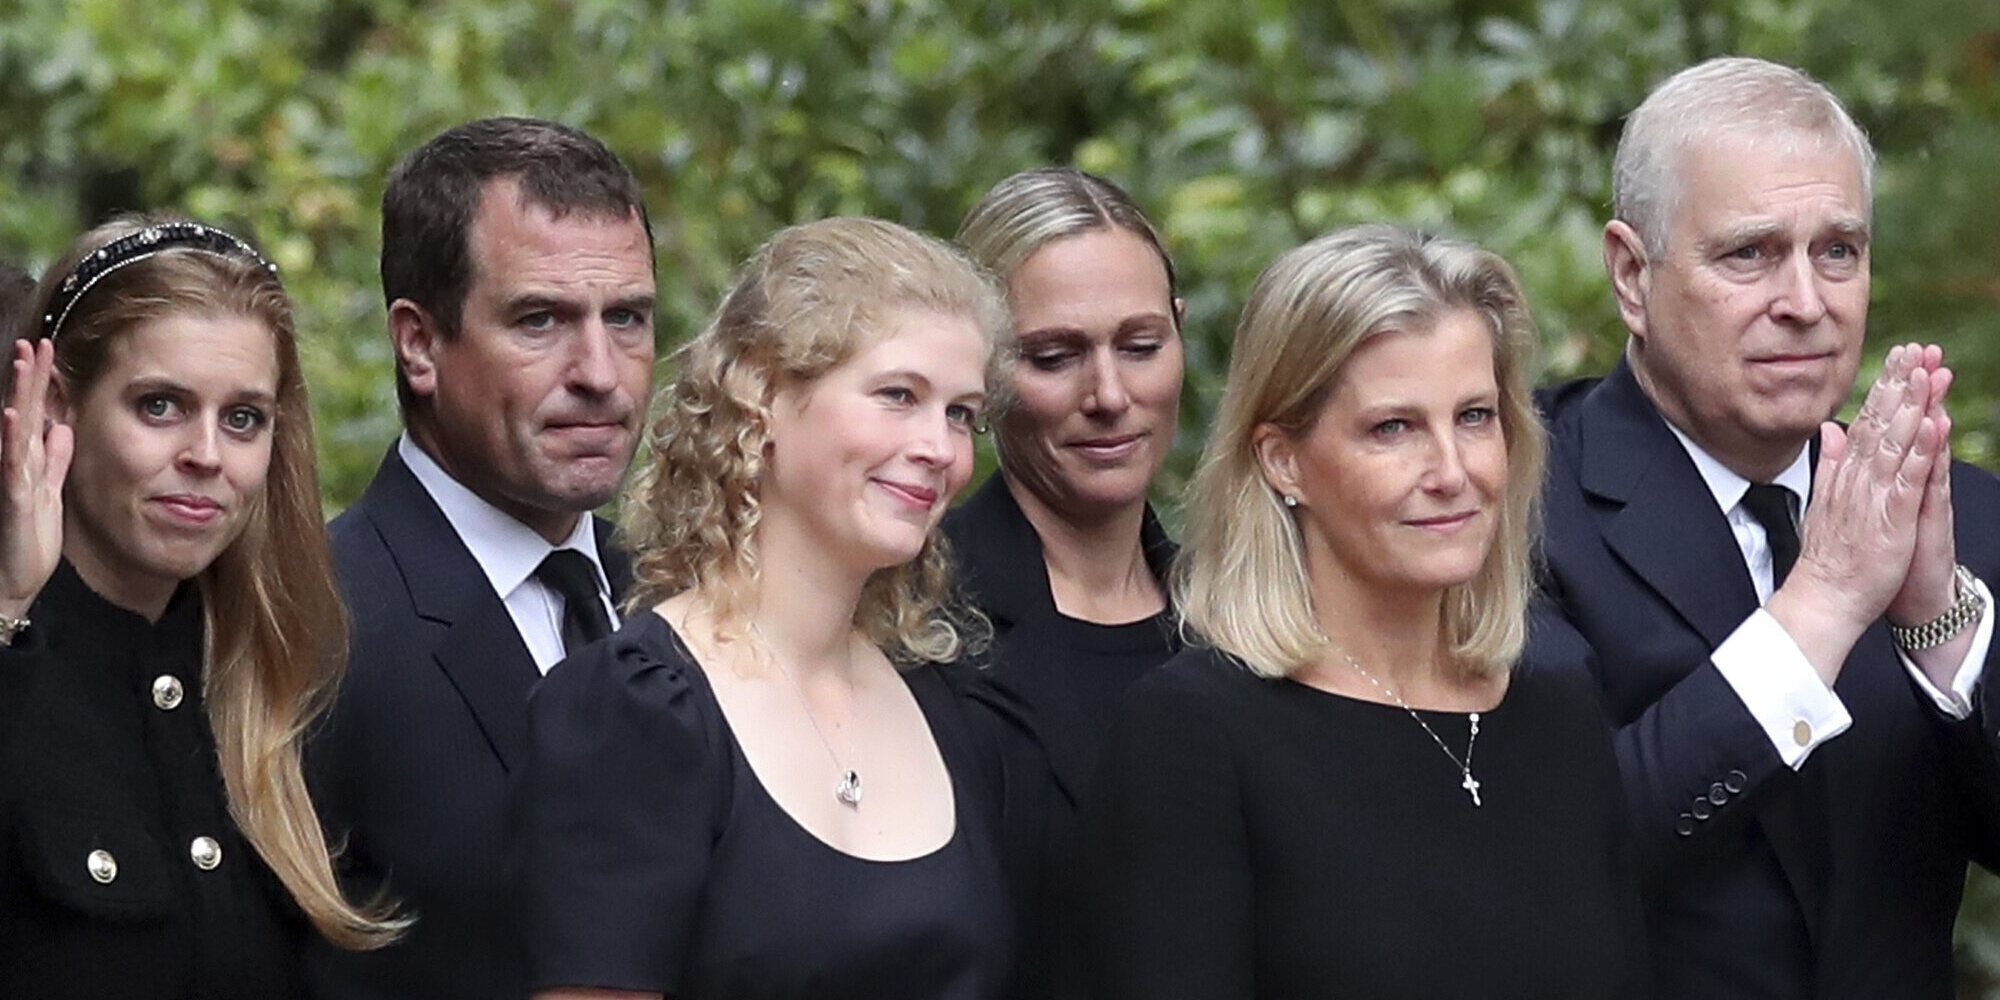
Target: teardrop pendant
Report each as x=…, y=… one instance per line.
x=849, y=789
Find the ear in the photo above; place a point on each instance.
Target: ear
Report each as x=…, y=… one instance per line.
x=1277, y=458
x=55, y=404
x=1180, y=313
x=414, y=334
x=1631, y=274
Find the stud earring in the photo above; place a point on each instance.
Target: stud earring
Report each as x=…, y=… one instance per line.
x=1291, y=501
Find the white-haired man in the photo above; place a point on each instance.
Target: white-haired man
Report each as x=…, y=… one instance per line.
x=1788, y=647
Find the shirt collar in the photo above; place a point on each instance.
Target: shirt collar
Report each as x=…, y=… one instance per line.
x=1728, y=487
x=506, y=550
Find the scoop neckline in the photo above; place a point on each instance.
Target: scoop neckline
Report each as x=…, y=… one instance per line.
x=1506, y=697
x=736, y=747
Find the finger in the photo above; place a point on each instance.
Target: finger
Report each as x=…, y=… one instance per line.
x=1883, y=396
x=1942, y=379
x=1832, y=448
x=57, y=449
x=1933, y=357
x=1914, y=474
x=1899, y=437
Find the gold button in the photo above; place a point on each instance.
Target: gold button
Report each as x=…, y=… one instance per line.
x=103, y=867
x=206, y=853
x=1801, y=733
x=167, y=692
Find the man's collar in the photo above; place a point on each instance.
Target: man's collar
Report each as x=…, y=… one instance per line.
x=506, y=550
x=1728, y=487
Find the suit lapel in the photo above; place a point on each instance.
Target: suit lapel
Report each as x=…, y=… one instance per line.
x=1672, y=536
x=478, y=648
x=1664, y=524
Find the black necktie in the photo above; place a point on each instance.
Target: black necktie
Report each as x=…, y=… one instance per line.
x=569, y=573
x=1771, y=505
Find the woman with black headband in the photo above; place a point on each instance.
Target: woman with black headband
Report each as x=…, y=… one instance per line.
x=169, y=628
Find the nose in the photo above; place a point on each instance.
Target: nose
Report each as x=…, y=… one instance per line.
x=1104, y=393
x=593, y=369
x=1797, y=298
x=201, y=449
x=1445, y=475
x=931, y=439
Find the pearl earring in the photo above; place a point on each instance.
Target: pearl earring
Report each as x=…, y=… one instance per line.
x=1291, y=501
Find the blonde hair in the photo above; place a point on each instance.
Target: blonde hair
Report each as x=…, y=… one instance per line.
x=275, y=629
x=1242, y=584
x=1729, y=94
x=1029, y=210
x=808, y=300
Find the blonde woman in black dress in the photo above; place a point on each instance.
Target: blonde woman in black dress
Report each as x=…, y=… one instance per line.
x=1060, y=548
x=760, y=787
x=1350, y=786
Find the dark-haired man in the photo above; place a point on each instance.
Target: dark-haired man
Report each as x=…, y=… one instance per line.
x=517, y=266
x=1793, y=642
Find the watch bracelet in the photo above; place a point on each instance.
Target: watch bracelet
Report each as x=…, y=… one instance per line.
x=1942, y=629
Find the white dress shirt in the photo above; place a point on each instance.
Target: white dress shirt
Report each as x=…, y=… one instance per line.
x=1764, y=664
x=509, y=551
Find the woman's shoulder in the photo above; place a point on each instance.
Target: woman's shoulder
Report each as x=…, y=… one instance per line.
x=1198, y=678
x=641, y=671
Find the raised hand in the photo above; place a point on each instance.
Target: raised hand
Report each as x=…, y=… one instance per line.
x=34, y=460
x=1929, y=590
x=1860, y=531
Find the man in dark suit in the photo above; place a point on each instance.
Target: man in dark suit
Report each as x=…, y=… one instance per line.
x=517, y=264
x=1793, y=662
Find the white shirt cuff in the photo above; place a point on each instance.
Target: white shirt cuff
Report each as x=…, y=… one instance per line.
x=1783, y=692
x=1957, y=702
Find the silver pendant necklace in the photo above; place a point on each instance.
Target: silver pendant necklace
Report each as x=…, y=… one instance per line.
x=848, y=788
x=1466, y=780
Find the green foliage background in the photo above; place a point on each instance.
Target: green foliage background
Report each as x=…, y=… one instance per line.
x=1244, y=126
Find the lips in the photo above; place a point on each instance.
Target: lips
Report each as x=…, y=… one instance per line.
x=1109, y=448
x=915, y=494
x=189, y=508
x=1443, y=522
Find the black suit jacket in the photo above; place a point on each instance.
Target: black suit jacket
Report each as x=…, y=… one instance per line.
x=411, y=767
x=1841, y=880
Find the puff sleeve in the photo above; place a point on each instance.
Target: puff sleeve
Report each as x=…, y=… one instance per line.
x=616, y=814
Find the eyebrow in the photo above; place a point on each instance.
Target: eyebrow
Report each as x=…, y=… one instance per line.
x=917, y=376
x=171, y=387
x=1852, y=226
x=545, y=302
x=1063, y=331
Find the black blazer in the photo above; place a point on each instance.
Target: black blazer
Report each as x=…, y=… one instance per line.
x=108, y=782
x=411, y=768
x=1042, y=696
x=1643, y=565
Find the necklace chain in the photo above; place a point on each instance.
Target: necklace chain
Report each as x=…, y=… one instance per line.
x=848, y=789
x=1466, y=780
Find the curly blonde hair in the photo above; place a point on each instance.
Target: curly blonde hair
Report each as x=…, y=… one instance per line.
x=808, y=300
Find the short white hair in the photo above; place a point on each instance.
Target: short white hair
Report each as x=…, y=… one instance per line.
x=1725, y=95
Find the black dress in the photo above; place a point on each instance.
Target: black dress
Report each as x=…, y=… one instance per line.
x=109, y=800
x=1261, y=838
x=651, y=858
x=1048, y=691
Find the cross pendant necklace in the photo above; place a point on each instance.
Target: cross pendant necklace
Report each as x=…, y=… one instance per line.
x=1466, y=780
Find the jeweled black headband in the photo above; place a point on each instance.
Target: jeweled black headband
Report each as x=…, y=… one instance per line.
x=148, y=242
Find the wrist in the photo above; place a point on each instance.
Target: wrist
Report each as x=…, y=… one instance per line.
x=1824, y=633
x=1936, y=630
